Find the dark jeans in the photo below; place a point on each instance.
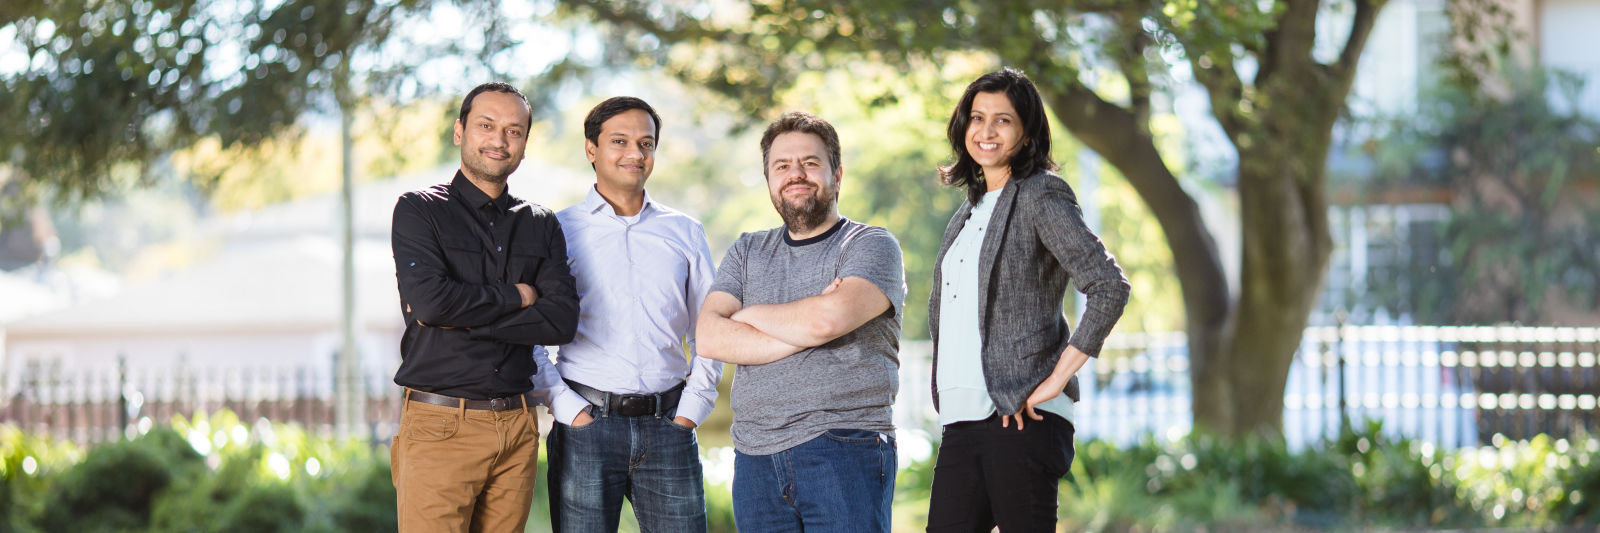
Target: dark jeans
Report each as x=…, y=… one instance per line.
x=841, y=481
x=989, y=476
x=654, y=462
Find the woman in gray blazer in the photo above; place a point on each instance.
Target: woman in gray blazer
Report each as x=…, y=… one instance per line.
x=1004, y=357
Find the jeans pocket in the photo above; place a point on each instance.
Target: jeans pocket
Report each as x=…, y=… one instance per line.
x=593, y=421
x=852, y=435
x=671, y=423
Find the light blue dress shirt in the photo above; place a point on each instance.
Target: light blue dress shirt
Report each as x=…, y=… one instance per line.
x=641, y=281
x=963, y=393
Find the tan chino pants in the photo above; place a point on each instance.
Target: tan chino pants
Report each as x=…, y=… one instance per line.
x=464, y=470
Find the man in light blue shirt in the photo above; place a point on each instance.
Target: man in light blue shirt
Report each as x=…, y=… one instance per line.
x=629, y=390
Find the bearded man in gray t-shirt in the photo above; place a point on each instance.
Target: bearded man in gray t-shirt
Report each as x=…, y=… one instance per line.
x=810, y=312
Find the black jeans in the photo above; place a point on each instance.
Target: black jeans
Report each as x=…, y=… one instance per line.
x=989, y=476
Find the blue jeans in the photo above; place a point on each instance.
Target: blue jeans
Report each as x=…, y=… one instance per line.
x=654, y=462
x=841, y=481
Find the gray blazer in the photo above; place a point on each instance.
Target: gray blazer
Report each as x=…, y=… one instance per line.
x=1036, y=244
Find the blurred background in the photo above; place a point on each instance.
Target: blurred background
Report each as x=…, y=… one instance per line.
x=1362, y=237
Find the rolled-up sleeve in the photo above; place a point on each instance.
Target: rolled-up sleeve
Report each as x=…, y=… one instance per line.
x=1058, y=220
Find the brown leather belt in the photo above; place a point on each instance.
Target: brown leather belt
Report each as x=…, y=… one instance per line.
x=526, y=399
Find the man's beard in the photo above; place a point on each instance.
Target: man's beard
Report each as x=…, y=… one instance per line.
x=810, y=213
x=484, y=168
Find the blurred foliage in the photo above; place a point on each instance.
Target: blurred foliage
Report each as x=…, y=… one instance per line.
x=116, y=487
x=27, y=462
x=1365, y=480
x=389, y=140
x=103, y=92
x=206, y=473
x=214, y=473
x=1519, y=243
x=1509, y=143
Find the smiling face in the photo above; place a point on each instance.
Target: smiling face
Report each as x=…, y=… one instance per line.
x=624, y=153
x=994, y=134
x=493, y=137
x=803, y=184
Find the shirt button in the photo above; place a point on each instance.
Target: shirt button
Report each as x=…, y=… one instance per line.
x=491, y=224
x=497, y=371
x=499, y=249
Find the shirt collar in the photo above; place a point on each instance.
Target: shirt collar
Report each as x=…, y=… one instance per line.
x=593, y=202
x=474, y=197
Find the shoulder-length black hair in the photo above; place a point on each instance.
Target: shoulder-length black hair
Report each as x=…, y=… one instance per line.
x=1034, y=154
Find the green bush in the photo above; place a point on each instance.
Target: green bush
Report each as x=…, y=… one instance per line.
x=208, y=473
x=27, y=463
x=116, y=485
x=212, y=473
x=1578, y=501
x=1402, y=482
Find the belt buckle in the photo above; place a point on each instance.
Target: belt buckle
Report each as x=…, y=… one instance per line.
x=636, y=405
x=497, y=404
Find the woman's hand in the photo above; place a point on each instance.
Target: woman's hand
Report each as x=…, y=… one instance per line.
x=1071, y=360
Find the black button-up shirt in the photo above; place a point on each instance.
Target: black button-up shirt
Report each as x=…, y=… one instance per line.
x=458, y=255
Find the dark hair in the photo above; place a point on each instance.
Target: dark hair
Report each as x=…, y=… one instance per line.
x=803, y=122
x=614, y=106
x=493, y=87
x=1034, y=154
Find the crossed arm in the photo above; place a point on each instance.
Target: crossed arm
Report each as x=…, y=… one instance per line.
x=544, y=312
x=761, y=334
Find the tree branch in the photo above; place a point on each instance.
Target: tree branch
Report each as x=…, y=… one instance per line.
x=633, y=15
x=1112, y=132
x=1224, y=87
x=1289, y=44
x=1344, y=71
x=1131, y=62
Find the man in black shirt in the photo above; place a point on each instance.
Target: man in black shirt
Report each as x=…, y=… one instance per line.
x=483, y=278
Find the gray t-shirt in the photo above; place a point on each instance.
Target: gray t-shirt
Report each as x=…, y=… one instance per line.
x=849, y=383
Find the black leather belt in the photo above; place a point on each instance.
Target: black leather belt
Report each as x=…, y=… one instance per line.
x=628, y=404
x=526, y=399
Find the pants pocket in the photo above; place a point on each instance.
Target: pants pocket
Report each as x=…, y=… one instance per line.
x=429, y=426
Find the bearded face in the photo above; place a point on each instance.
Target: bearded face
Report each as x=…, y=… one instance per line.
x=809, y=204
x=803, y=184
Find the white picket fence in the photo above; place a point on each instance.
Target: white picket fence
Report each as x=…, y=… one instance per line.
x=1453, y=386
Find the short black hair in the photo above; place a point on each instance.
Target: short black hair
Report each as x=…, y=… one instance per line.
x=614, y=106
x=1034, y=154
x=802, y=122
x=495, y=87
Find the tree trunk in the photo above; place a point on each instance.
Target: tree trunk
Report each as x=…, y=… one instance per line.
x=1285, y=250
x=1239, y=352
x=349, y=394
x=1117, y=136
x=1285, y=258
